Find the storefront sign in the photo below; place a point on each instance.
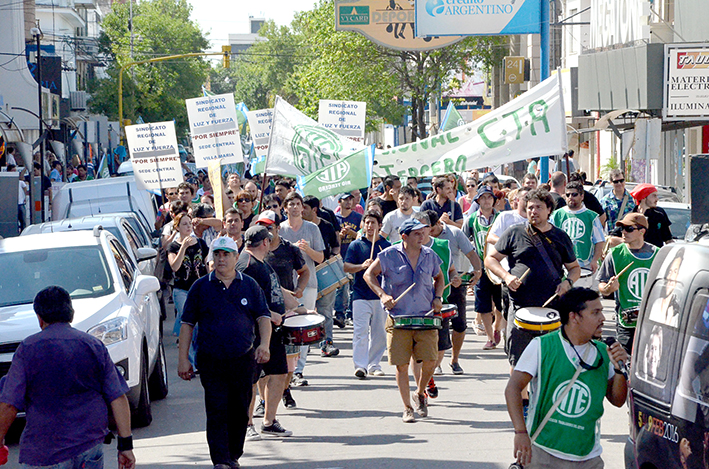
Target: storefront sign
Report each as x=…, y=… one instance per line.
x=477, y=17
x=618, y=22
x=686, y=82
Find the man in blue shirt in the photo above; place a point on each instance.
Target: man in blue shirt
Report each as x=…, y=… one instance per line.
x=64, y=380
x=227, y=305
x=402, y=266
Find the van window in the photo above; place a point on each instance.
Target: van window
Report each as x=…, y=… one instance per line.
x=125, y=266
x=693, y=389
x=655, y=343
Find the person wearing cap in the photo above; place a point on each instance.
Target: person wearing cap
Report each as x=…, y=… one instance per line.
x=393, y=220
x=402, y=266
x=488, y=296
x=617, y=203
x=446, y=207
x=272, y=381
x=627, y=287
x=228, y=306
x=658, y=229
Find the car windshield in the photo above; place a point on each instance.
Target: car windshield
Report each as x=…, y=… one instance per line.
x=680, y=218
x=82, y=271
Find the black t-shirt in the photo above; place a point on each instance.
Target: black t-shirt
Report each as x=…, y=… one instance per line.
x=521, y=253
x=247, y=221
x=559, y=201
x=330, y=216
x=388, y=206
x=193, y=265
x=592, y=203
x=267, y=279
x=327, y=231
x=658, y=231
x=286, y=259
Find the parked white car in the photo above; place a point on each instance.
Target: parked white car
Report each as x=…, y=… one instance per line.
x=112, y=301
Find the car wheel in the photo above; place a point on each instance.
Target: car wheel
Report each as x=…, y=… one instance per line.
x=142, y=414
x=157, y=384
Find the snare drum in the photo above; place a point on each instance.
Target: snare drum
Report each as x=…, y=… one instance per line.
x=448, y=312
x=417, y=322
x=303, y=330
x=586, y=279
x=494, y=278
x=541, y=320
x=331, y=275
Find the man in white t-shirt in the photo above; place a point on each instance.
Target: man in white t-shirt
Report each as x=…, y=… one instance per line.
x=509, y=218
x=393, y=220
x=571, y=437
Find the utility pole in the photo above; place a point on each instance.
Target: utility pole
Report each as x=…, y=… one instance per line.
x=37, y=33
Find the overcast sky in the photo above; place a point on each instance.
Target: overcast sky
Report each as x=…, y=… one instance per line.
x=220, y=18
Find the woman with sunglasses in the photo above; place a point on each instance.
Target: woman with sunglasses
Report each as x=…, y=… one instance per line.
x=245, y=205
x=624, y=272
x=466, y=201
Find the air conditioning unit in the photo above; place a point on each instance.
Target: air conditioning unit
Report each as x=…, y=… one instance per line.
x=79, y=100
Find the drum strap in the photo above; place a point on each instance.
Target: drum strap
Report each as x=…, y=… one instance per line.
x=539, y=244
x=557, y=403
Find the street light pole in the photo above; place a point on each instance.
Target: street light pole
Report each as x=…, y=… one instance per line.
x=37, y=33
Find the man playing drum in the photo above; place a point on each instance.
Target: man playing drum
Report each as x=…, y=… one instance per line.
x=624, y=272
x=409, y=266
x=544, y=250
x=585, y=230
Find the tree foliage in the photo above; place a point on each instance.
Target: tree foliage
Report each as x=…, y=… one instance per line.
x=155, y=91
x=309, y=60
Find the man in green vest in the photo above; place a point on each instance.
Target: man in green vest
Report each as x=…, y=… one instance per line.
x=570, y=438
x=637, y=255
x=585, y=230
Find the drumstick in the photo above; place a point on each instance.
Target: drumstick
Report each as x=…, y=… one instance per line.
x=371, y=254
x=405, y=292
x=549, y=300
x=623, y=271
x=524, y=275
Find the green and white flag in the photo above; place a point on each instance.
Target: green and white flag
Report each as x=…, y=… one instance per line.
x=451, y=119
x=299, y=146
x=532, y=125
x=349, y=173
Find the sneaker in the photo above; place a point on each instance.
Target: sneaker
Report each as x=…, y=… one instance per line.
x=222, y=466
x=438, y=371
x=490, y=345
x=348, y=322
x=329, y=350
x=252, y=434
x=457, y=369
x=408, y=416
x=260, y=409
x=275, y=429
x=420, y=404
x=432, y=389
x=298, y=380
x=339, y=320
x=361, y=373
x=288, y=400
x=497, y=337
x=235, y=464
x=479, y=329
x=377, y=372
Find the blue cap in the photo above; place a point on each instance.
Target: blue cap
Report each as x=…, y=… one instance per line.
x=484, y=190
x=410, y=225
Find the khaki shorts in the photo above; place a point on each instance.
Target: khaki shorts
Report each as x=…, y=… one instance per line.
x=402, y=344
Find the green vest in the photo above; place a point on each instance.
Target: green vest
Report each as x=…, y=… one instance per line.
x=574, y=428
x=480, y=231
x=633, y=280
x=579, y=227
x=442, y=249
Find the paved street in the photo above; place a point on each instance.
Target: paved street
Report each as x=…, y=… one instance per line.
x=341, y=422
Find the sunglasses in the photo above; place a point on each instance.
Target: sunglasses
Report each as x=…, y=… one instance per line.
x=630, y=229
x=243, y=200
x=274, y=207
x=572, y=194
x=471, y=185
x=171, y=193
x=619, y=181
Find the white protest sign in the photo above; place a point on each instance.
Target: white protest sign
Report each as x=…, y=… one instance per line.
x=214, y=129
x=153, y=152
x=345, y=118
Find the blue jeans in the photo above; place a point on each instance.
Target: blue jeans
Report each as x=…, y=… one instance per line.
x=178, y=297
x=90, y=459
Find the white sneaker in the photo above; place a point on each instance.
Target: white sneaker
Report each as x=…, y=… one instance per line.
x=252, y=434
x=360, y=373
x=377, y=372
x=438, y=371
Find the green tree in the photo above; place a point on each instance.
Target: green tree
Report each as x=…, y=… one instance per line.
x=155, y=91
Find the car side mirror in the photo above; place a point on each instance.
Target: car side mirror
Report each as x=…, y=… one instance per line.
x=146, y=253
x=146, y=284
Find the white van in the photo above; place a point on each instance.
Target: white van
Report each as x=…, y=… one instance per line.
x=103, y=196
